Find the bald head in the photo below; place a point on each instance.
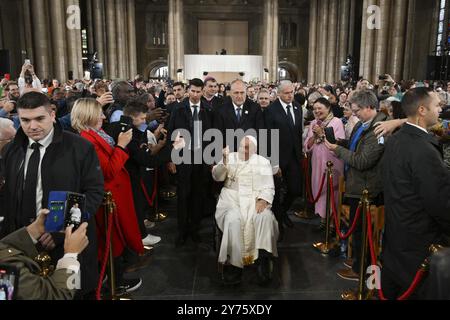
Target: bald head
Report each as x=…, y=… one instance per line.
x=238, y=92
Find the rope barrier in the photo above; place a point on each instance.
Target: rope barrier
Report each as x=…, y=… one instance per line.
x=417, y=279
x=105, y=256
x=151, y=199
x=337, y=222
x=308, y=184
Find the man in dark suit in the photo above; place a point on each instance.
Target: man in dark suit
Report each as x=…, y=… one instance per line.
x=194, y=177
x=210, y=97
x=285, y=115
x=416, y=191
x=238, y=113
x=44, y=158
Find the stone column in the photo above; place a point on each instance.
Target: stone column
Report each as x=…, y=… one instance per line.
x=111, y=38
x=434, y=26
x=332, y=40
x=323, y=35
x=407, y=68
x=362, y=60
x=120, y=38
x=312, y=41
x=99, y=32
x=344, y=20
x=351, y=32
x=275, y=41
x=179, y=23
x=383, y=39
x=41, y=41
x=398, y=39
x=172, y=35
x=132, y=55
x=59, y=44
x=73, y=36
x=90, y=26
x=370, y=46
x=28, y=30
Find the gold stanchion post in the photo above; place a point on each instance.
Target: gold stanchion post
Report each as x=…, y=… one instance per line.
x=361, y=293
x=329, y=245
x=109, y=207
x=159, y=216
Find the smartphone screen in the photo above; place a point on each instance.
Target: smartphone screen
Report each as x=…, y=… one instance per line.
x=9, y=279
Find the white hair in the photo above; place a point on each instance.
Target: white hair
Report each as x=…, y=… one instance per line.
x=283, y=84
x=5, y=124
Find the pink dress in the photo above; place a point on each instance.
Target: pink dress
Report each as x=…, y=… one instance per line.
x=320, y=156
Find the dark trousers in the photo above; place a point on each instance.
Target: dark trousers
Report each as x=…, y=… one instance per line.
x=193, y=184
x=393, y=288
x=292, y=176
x=139, y=203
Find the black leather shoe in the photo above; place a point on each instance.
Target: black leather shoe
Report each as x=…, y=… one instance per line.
x=265, y=270
x=231, y=275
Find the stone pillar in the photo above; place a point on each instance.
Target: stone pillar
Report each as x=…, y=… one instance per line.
x=312, y=41
x=28, y=30
x=331, y=69
x=370, y=46
x=99, y=32
x=323, y=35
x=41, y=40
x=90, y=23
x=120, y=38
x=73, y=36
x=344, y=20
x=59, y=44
x=407, y=68
x=383, y=39
x=434, y=26
x=362, y=60
x=179, y=22
x=351, y=32
x=270, y=42
x=398, y=38
x=172, y=35
x=275, y=41
x=132, y=55
x=111, y=38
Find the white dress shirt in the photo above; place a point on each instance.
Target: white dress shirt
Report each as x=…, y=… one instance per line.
x=418, y=127
x=44, y=145
x=286, y=110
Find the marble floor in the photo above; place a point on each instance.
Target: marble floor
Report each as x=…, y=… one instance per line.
x=191, y=272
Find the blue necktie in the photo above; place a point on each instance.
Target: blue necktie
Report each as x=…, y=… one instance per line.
x=238, y=114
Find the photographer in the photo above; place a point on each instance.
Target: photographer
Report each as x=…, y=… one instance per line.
x=18, y=249
x=28, y=79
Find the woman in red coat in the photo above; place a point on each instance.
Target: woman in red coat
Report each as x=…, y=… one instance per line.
x=87, y=118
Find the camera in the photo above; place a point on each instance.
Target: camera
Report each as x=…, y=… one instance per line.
x=383, y=77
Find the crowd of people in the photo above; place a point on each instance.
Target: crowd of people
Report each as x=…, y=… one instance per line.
x=89, y=137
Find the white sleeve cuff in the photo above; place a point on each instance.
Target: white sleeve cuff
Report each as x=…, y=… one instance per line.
x=70, y=262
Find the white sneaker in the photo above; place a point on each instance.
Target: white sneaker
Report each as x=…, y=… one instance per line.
x=150, y=240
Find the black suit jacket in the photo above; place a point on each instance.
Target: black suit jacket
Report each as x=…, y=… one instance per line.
x=70, y=163
x=290, y=143
x=181, y=118
x=225, y=118
x=215, y=103
x=417, y=198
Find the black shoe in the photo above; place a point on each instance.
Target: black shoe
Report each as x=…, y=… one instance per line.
x=231, y=275
x=265, y=270
x=129, y=285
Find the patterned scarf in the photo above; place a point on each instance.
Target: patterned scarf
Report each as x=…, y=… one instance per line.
x=105, y=137
x=324, y=124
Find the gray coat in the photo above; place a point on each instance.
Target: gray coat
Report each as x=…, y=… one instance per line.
x=17, y=249
x=365, y=168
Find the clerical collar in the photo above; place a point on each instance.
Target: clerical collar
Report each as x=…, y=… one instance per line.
x=43, y=142
x=418, y=127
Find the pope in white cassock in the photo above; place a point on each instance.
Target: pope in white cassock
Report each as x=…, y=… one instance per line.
x=243, y=214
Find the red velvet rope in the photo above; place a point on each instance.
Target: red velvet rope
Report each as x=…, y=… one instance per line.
x=336, y=221
x=105, y=256
x=155, y=188
x=417, y=279
x=309, y=191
